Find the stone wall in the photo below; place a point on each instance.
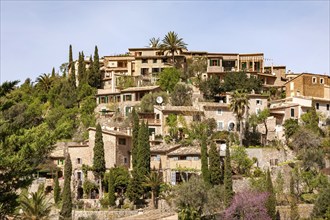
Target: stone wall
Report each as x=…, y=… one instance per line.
x=305, y=211
x=100, y=215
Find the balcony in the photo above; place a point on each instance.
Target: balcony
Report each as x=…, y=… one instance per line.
x=151, y=121
x=215, y=69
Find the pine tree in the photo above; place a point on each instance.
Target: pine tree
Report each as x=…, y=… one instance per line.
x=98, y=159
x=135, y=135
x=294, y=214
x=204, y=160
x=66, y=210
x=215, y=170
x=271, y=200
x=96, y=67
x=228, y=179
x=111, y=189
x=57, y=190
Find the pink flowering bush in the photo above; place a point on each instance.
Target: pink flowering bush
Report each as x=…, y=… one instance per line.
x=248, y=206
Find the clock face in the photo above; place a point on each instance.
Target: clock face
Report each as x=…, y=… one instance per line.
x=159, y=99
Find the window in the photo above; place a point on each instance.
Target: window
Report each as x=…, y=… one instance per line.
x=257, y=111
x=79, y=177
x=127, y=97
x=231, y=126
x=292, y=112
x=79, y=160
x=273, y=162
x=164, y=60
x=144, y=61
x=314, y=80
x=321, y=81
x=60, y=162
x=182, y=157
x=317, y=106
x=328, y=107
x=219, y=111
x=152, y=130
x=125, y=160
x=155, y=70
x=214, y=62
x=220, y=125
x=291, y=85
x=258, y=102
x=154, y=60
x=122, y=141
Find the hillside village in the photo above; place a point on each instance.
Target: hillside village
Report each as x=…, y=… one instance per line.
x=180, y=117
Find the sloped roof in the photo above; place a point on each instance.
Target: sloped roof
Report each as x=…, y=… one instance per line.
x=169, y=108
x=186, y=151
x=163, y=148
x=142, y=88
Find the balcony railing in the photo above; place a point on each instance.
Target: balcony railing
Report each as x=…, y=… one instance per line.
x=150, y=120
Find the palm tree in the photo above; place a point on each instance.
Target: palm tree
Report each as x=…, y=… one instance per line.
x=154, y=42
x=153, y=180
x=44, y=81
x=35, y=206
x=172, y=43
x=239, y=104
x=7, y=86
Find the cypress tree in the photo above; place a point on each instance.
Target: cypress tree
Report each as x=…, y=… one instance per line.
x=135, y=188
x=294, y=214
x=215, y=170
x=111, y=189
x=96, y=68
x=204, y=160
x=57, y=190
x=90, y=73
x=135, y=136
x=271, y=200
x=98, y=159
x=72, y=71
x=228, y=179
x=82, y=69
x=53, y=72
x=143, y=157
x=66, y=210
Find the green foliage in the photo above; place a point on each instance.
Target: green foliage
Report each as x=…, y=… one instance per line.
x=82, y=77
x=234, y=81
x=290, y=127
x=153, y=180
x=271, y=200
x=135, y=138
x=35, y=205
x=195, y=67
x=111, y=189
x=311, y=121
x=172, y=44
x=172, y=122
x=307, y=145
x=143, y=156
x=7, y=86
x=241, y=162
x=87, y=111
x=168, y=78
x=124, y=82
x=294, y=214
x=210, y=88
x=98, y=159
x=120, y=179
x=20, y=155
x=135, y=189
x=66, y=210
x=322, y=204
x=181, y=95
x=204, y=161
x=228, y=179
x=149, y=100
x=215, y=168
x=238, y=105
x=96, y=80
x=57, y=190
x=88, y=186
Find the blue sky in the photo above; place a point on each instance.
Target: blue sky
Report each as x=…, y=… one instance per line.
x=35, y=35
